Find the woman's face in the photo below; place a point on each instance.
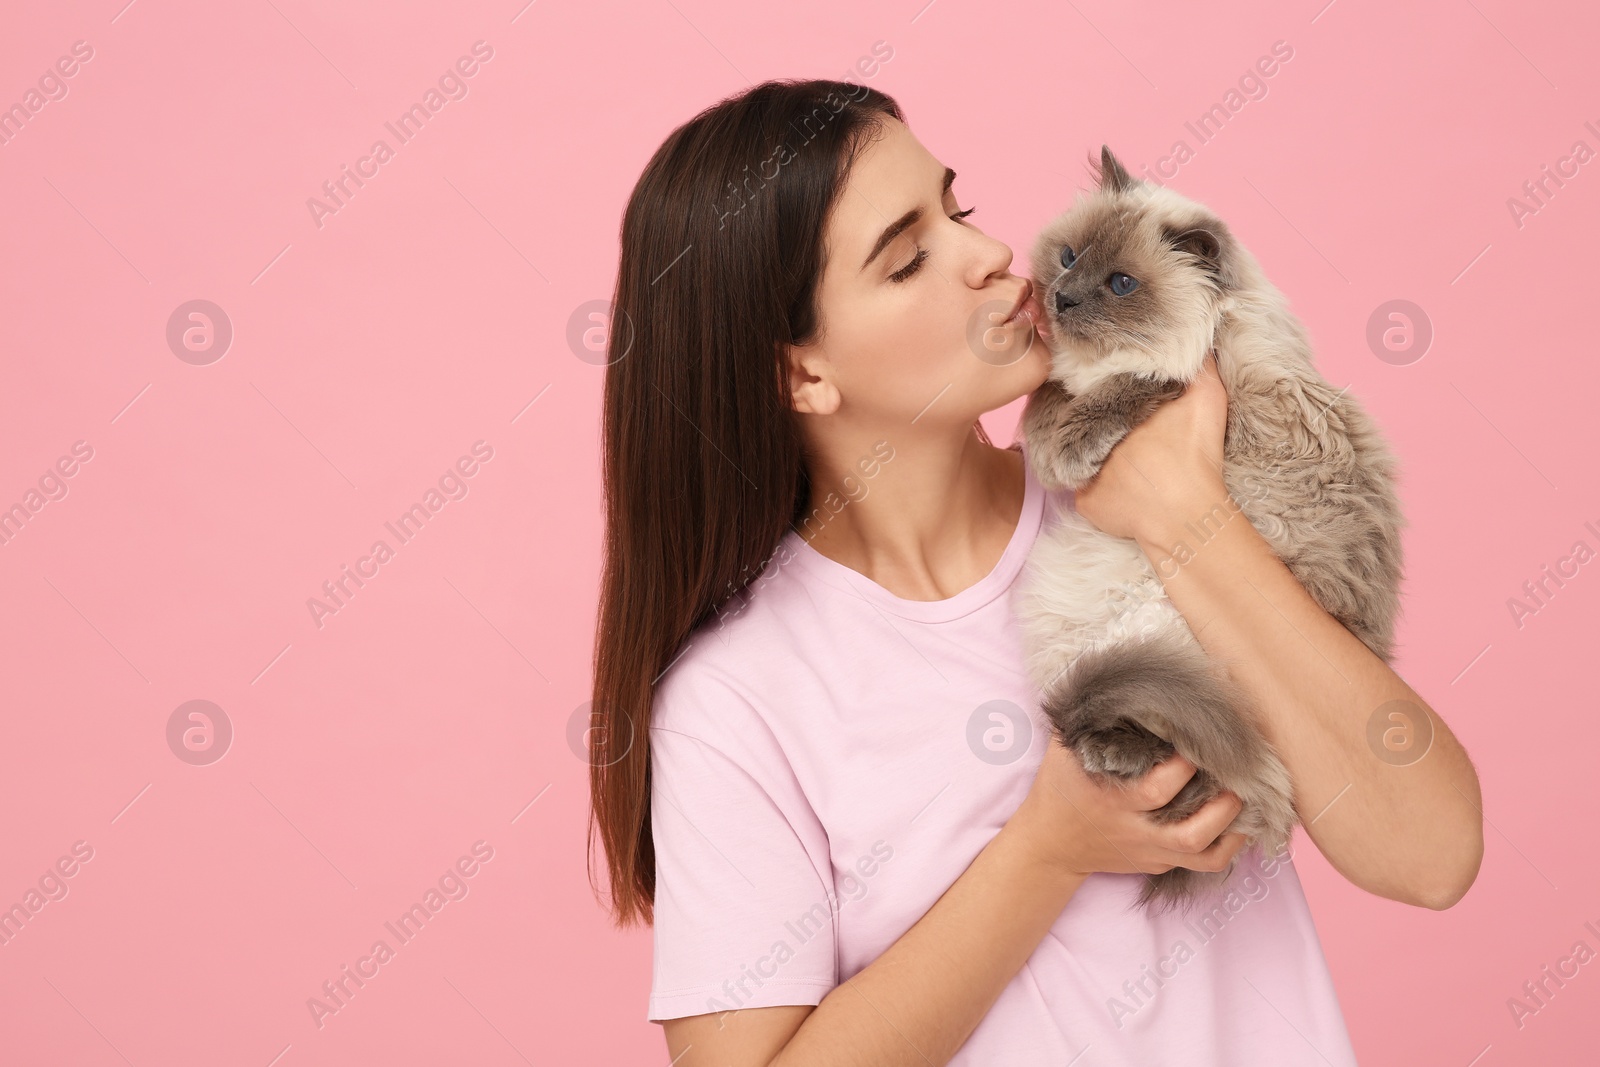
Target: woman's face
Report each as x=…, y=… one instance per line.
x=913, y=314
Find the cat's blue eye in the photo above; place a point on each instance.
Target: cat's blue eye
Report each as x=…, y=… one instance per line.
x=1122, y=284
x=1068, y=256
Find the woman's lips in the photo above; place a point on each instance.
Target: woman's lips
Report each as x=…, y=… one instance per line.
x=1033, y=311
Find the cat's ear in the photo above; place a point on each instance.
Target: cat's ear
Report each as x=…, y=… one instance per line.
x=1212, y=244
x=1114, y=178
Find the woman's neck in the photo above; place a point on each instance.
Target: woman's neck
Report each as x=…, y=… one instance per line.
x=924, y=524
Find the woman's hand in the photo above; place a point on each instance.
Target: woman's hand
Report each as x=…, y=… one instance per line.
x=1079, y=825
x=1168, y=469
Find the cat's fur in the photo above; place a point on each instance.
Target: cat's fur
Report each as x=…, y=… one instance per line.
x=1125, y=682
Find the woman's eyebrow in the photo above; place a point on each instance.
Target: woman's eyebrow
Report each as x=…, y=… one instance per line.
x=901, y=224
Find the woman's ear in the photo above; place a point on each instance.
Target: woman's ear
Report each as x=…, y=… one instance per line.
x=809, y=385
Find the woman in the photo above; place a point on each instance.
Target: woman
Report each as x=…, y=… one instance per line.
x=819, y=766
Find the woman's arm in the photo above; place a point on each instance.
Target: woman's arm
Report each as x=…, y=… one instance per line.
x=1408, y=831
x=1411, y=832
x=917, y=1003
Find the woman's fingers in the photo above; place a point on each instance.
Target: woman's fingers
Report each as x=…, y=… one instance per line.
x=1220, y=854
x=1112, y=824
x=1162, y=783
x=1199, y=842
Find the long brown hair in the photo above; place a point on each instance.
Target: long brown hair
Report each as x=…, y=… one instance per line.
x=702, y=458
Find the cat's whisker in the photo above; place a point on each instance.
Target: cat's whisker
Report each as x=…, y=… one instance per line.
x=1143, y=342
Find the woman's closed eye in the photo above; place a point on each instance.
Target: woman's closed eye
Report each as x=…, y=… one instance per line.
x=922, y=253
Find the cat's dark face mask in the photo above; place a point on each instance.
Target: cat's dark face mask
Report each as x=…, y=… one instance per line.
x=1134, y=274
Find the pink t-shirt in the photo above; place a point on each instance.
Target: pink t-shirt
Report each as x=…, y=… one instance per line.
x=827, y=758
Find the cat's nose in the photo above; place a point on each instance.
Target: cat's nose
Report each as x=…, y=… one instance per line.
x=1063, y=302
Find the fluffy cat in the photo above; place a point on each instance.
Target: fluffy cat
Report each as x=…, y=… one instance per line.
x=1137, y=283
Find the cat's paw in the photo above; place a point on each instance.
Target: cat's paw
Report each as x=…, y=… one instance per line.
x=1123, y=749
x=1089, y=430
x=1058, y=470
x=1085, y=444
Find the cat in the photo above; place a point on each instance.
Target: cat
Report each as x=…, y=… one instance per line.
x=1137, y=284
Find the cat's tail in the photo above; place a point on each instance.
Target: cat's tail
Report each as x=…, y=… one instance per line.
x=1165, y=684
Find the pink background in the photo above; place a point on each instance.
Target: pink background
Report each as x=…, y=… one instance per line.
x=431, y=312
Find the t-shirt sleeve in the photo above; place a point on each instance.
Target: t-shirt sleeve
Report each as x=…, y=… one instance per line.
x=744, y=913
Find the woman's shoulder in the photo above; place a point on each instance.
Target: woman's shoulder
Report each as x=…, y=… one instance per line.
x=721, y=680
x=710, y=719
x=699, y=685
